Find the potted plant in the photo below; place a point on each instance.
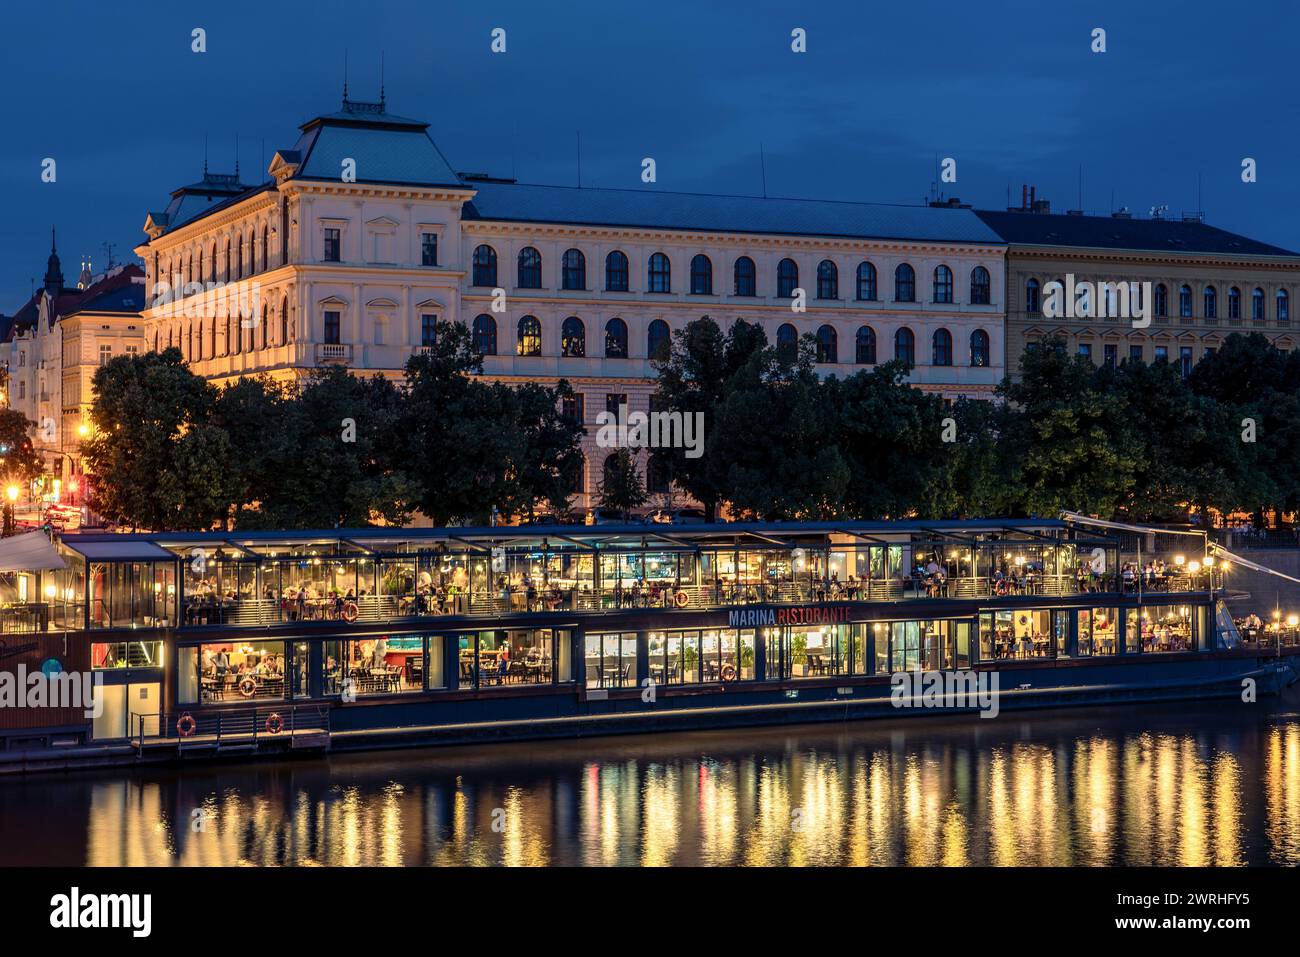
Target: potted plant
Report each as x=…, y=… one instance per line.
x=799, y=654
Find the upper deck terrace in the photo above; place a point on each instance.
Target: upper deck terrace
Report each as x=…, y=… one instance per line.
x=381, y=575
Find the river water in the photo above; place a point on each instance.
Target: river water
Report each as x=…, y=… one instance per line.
x=1210, y=783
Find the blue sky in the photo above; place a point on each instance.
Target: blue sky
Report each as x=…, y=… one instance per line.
x=1009, y=89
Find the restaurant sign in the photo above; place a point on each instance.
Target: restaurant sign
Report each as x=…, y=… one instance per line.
x=797, y=615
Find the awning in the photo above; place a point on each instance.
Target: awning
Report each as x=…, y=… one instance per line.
x=29, y=552
x=1222, y=552
x=1122, y=526
x=130, y=551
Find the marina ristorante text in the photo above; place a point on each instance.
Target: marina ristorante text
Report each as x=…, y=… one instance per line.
x=800, y=615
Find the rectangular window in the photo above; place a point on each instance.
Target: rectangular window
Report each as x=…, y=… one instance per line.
x=1185, y=360
x=111, y=656
x=105, y=353
x=1135, y=353
x=572, y=408
x=1085, y=350
x=22, y=390
x=428, y=329
x=1160, y=628
x=1111, y=353
x=133, y=350
x=384, y=665
x=611, y=660
x=1097, y=632
x=332, y=330
x=331, y=245
x=613, y=400
x=1162, y=354
x=247, y=670
x=428, y=249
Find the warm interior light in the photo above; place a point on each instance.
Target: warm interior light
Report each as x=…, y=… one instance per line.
x=50, y=591
x=83, y=430
x=12, y=492
x=1208, y=562
x=1292, y=620
x=1194, y=567
x=1179, y=560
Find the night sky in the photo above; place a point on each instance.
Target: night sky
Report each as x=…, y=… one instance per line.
x=1011, y=90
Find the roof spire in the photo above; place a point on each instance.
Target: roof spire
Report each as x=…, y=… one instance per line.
x=345, y=78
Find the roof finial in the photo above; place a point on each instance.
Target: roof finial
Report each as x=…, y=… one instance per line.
x=236, y=157
x=53, y=245
x=205, y=155
x=345, y=78
x=381, y=82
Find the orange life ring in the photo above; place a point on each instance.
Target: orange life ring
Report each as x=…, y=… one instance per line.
x=350, y=611
x=728, y=672
x=274, y=723
x=681, y=599
x=247, y=686
x=186, y=725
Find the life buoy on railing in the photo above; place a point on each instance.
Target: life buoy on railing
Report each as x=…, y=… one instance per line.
x=728, y=672
x=274, y=723
x=186, y=725
x=248, y=686
x=350, y=611
x=681, y=599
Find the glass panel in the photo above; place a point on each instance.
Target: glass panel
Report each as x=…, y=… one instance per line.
x=187, y=675
x=243, y=671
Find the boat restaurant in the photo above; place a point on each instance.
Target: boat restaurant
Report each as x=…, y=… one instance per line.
x=434, y=625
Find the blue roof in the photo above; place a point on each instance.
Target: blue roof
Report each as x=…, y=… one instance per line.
x=1113, y=232
x=661, y=209
x=386, y=148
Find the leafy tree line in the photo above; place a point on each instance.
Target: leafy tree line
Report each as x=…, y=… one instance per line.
x=169, y=450
x=1131, y=441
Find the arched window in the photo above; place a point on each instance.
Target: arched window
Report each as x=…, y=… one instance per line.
x=261, y=257
x=866, y=346
x=1283, y=306
x=573, y=338
x=658, y=340
x=574, y=269
x=787, y=342
x=904, y=283
x=1257, y=305
x=234, y=334
x=230, y=265
x=701, y=276
x=284, y=321
x=828, y=345
x=979, y=348
x=1234, y=303
x=746, y=278
x=530, y=268
x=660, y=274
x=1033, y=301
x=485, y=266
x=942, y=284
x=616, y=272
x=941, y=353
x=1161, y=296
x=1211, y=298
x=866, y=281
x=828, y=280
x=1184, y=302
x=980, y=286
x=485, y=335
x=530, y=337
x=905, y=346
x=787, y=279
x=616, y=339
x=610, y=470
x=266, y=322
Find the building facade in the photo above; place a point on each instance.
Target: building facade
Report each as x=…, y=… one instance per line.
x=1206, y=284
x=52, y=347
x=365, y=237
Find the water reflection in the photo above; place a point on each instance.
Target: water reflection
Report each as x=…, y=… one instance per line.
x=1195, y=785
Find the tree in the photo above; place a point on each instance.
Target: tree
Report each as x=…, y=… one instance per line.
x=158, y=462
x=1073, y=446
x=20, y=463
x=620, y=487
x=693, y=380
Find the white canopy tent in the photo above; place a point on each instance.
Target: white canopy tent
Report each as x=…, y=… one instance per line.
x=29, y=552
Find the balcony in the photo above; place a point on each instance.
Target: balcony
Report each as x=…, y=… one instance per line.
x=334, y=352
